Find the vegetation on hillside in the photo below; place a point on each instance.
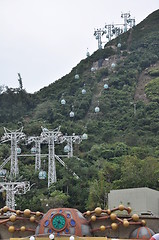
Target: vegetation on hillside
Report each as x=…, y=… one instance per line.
x=122, y=147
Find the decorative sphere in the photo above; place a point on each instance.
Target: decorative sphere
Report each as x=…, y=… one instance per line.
x=22, y=229
x=143, y=222
x=18, y=212
x=108, y=211
x=93, y=218
x=72, y=114
x=98, y=210
x=38, y=213
x=125, y=223
x=102, y=228
x=32, y=238
x=72, y=238
x=121, y=207
x=135, y=217
x=76, y=76
x=114, y=226
x=11, y=229
x=97, y=109
x=63, y=101
x=5, y=209
x=129, y=210
x=113, y=216
x=88, y=213
x=27, y=212
x=51, y=236
x=12, y=218
x=32, y=219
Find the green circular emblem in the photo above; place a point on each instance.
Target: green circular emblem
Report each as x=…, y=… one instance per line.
x=58, y=222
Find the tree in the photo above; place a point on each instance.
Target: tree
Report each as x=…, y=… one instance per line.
x=56, y=199
x=130, y=172
x=149, y=172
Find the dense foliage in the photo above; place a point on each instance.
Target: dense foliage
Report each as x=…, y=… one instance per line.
x=122, y=147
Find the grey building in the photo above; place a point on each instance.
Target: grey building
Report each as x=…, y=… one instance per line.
x=141, y=200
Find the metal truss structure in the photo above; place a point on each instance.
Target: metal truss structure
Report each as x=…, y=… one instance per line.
x=98, y=33
x=128, y=22
x=13, y=188
x=49, y=137
x=37, y=153
x=14, y=137
x=52, y=137
x=70, y=140
x=114, y=30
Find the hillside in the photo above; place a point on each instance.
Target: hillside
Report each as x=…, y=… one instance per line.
x=122, y=147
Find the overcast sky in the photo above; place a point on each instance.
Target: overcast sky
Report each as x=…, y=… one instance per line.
x=44, y=39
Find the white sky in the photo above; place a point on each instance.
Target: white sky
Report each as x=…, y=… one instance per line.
x=44, y=39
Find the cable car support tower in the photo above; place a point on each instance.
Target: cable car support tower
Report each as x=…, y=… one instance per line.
x=52, y=137
x=14, y=137
x=13, y=188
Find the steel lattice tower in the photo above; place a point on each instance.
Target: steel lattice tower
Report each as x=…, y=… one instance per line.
x=37, y=153
x=51, y=137
x=126, y=16
x=14, y=137
x=70, y=140
x=98, y=34
x=13, y=188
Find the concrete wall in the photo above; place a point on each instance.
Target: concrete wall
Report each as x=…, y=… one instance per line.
x=139, y=199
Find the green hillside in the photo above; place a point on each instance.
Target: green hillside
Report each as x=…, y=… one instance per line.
x=122, y=148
